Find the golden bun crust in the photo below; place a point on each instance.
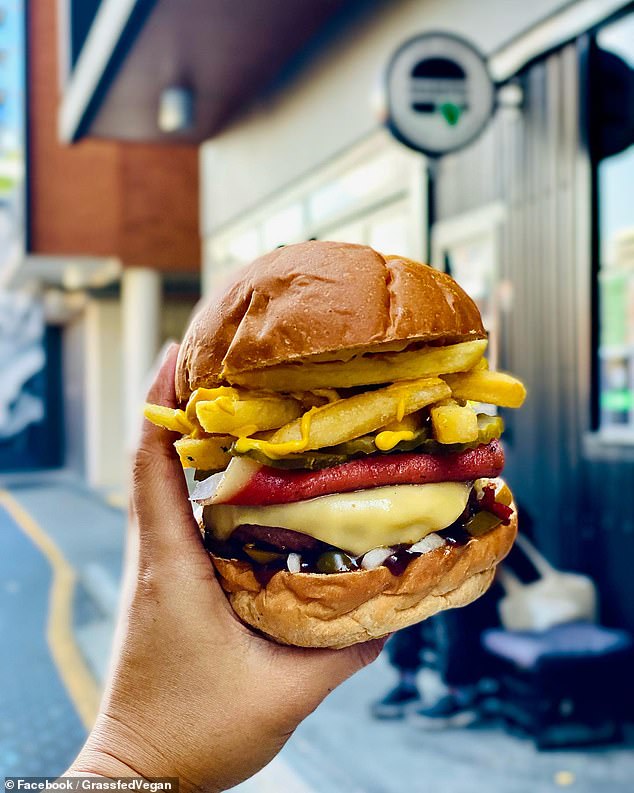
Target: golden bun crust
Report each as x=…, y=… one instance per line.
x=319, y=297
x=340, y=609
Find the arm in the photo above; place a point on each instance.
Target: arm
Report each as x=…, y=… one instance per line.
x=193, y=693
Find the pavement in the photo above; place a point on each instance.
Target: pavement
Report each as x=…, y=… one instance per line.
x=60, y=567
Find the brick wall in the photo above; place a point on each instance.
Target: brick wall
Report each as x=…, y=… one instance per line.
x=104, y=198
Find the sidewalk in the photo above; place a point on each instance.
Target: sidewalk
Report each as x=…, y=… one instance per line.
x=338, y=749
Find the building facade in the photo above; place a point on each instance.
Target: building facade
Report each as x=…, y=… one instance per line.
x=531, y=218
x=534, y=217
x=111, y=255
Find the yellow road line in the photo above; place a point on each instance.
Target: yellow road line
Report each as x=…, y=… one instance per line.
x=80, y=684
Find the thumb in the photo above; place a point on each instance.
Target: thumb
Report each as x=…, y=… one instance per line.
x=160, y=497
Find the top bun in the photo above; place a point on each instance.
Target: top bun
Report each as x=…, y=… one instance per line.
x=320, y=297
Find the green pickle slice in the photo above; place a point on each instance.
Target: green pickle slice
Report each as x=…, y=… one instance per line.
x=482, y=523
x=260, y=556
x=489, y=428
x=335, y=562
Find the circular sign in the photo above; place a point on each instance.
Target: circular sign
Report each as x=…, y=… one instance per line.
x=439, y=93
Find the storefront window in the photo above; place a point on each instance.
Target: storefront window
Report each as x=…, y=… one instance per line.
x=370, y=196
x=379, y=179
x=615, y=186
x=284, y=227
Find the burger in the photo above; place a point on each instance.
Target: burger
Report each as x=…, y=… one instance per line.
x=338, y=410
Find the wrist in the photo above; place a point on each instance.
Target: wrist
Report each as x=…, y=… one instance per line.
x=99, y=763
x=108, y=752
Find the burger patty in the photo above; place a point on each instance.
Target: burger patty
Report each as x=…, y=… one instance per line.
x=278, y=538
x=278, y=486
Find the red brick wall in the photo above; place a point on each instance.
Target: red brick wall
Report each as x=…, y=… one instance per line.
x=135, y=201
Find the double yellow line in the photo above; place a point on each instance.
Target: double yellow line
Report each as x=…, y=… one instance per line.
x=77, y=679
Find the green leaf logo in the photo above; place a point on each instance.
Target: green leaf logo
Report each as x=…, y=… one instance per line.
x=451, y=113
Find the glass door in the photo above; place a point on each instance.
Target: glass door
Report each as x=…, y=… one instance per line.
x=614, y=181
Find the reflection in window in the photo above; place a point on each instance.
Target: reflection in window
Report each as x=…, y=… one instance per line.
x=615, y=184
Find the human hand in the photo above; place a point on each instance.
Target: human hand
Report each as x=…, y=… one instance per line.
x=194, y=693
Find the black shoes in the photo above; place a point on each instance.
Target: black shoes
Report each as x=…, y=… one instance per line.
x=455, y=709
x=397, y=703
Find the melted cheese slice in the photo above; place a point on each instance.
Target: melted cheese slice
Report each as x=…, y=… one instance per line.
x=355, y=522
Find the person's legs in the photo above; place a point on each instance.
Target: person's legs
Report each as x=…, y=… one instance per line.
x=462, y=664
x=404, y=651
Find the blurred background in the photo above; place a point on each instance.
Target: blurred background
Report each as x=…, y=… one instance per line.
x=148, y=148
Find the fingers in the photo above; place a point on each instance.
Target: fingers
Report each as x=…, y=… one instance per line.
x=160, y=494
x=338, y=665
x=315, y=673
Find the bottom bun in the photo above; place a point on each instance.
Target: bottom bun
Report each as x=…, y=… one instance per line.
x=339, y=609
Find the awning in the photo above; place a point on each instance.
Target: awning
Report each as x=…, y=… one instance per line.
x=221, y=54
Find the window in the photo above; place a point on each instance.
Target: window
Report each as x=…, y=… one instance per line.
x=372, y=195
x=468, y=248
x=613, y=143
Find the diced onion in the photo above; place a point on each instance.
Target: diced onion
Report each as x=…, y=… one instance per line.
x=375, y=558
x=294, y=563
x=427, y=544
x=206, y=487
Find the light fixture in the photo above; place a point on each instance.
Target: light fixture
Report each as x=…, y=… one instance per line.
x=176, y=109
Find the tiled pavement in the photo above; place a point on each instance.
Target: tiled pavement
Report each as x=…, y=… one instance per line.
x=338, y=749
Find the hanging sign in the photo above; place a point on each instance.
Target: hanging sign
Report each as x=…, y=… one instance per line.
x=439, y=95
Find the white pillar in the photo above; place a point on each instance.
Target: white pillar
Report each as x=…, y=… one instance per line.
x=141, y=304
x=103, y=404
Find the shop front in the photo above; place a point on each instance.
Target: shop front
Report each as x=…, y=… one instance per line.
x=534, y=217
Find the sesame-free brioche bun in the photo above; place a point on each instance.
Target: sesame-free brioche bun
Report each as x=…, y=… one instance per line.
x=340, y=609
x=323, y=301
x=321, y=297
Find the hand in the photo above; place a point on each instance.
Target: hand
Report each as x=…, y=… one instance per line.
x=194, y=693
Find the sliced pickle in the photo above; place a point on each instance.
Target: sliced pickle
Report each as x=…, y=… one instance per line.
x=335, y=562
x=482, y=523
x=262, y=557
x=504, y=496
x=489, y=428
x=363, y=445
x=310, y=461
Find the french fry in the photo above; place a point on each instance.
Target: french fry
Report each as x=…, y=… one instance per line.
x=453, y=423
x=481, y=364
x=205, y=454
x=228, y=415
x=381, y=368
x=315, y=399
x=206, y=394
x=169, y=418
x=496, y=388
x=349, y=418
x=412, y=422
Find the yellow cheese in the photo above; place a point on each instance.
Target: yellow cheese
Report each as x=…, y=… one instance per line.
x=358, y=521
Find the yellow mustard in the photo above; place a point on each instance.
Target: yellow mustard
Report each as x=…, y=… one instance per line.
x=387, y=440
x=277, y=450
